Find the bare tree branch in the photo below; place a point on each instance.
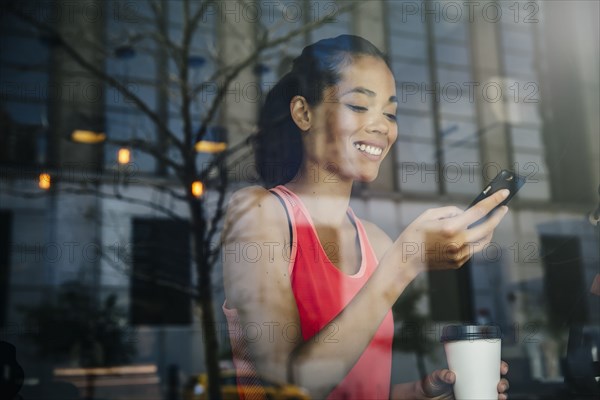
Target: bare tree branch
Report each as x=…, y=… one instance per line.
x=162, y=36
x=222, y=157
x=148, y=148
x=158, y=187
x=104, y=195
x=99, y=72
x=263, y=45
x=183, y=76
x=131, y=200
x=170, y=192
x=159, y=38
x=203, y=227
x=198, y=15
x=164, y=283
x=219, y=212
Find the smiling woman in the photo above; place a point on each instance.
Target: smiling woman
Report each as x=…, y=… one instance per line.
x=312, y=304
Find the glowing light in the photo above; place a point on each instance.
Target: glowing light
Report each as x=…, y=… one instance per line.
x=213, y=141
x=197, y=189
x=206, y=146
x=87, y=136
x=117, y=370
x=44, y=181
x=124, y=155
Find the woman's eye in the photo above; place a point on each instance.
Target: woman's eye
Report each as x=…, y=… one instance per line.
x=356, y=108
x=392, y=117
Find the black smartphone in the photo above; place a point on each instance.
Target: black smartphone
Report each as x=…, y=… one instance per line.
x=504, y=180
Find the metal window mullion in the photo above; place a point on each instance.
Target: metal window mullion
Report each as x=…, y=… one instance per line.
x=435, y=105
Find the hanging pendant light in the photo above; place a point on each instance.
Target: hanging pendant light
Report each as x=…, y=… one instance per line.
x=124, y=156
x=214, y=141
x=87, y=130
x=44, y=181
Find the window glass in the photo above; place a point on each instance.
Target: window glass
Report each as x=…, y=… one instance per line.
x=411, y=76
x=453, y=54
x=404, y=18
x=415, y=126
x=450, y=20
x=421, y=178
x=409, y=47
x=339, y=25
x=519, y=40
x=526, y=138
x=414, y=152
x=539, y=189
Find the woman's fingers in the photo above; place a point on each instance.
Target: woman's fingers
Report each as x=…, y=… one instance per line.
x=480, y=232
x=450, y=221
x=438, y=384
x=503, y=368
x=434, y=214
x=503, y=385
x=454, y=250
x=447, y=240
x=458, y=251
x=481, y=209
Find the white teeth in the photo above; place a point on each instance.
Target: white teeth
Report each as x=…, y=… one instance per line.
x=369, y=149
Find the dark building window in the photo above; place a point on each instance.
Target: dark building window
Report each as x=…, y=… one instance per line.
x=451, y=294
x=161, y=267
x=563, y=280
x=5, y=230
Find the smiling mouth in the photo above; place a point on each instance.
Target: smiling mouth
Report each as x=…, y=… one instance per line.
x=373, y=150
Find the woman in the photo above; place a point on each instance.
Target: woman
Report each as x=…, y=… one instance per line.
x=309, y=286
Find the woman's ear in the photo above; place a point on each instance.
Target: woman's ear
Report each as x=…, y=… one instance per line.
x=300, y=112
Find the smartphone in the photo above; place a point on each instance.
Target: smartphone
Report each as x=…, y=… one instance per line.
x=504, y=180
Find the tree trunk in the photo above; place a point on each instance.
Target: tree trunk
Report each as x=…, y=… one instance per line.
x=203, y=268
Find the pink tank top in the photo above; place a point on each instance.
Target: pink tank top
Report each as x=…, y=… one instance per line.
x=322, y=291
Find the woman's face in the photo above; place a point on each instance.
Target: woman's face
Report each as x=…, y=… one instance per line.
x=354, y=127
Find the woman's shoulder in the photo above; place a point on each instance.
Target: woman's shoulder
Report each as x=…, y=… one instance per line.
x=252, y=192
x=254, y=267
x=252, y=198
x=255, y=209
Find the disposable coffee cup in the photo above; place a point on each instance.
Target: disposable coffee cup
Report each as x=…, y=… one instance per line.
x=473, y=354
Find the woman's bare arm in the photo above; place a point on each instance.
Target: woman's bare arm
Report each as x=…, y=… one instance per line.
x=255, y=267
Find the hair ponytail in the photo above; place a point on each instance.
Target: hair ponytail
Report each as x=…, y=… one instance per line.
x=278, y=148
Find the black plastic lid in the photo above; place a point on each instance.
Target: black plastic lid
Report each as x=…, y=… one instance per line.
x=452, y=333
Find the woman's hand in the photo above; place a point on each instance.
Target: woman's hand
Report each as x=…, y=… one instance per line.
x=443, y=238
x=438, y=385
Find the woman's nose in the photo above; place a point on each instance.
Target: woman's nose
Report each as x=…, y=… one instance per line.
x=378, y=124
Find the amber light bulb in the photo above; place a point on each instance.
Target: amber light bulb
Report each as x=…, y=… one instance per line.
x=44, y=181
x=124, y=155
x=197, y=189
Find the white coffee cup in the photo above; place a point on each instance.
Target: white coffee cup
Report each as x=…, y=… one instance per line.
x=473, y=354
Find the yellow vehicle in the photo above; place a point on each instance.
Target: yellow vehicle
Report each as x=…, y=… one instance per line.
x=196, y=389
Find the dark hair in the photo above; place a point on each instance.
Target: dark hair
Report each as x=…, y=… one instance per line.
x=278, y=145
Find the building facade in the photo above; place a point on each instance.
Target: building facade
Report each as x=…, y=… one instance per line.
x=483, y=86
